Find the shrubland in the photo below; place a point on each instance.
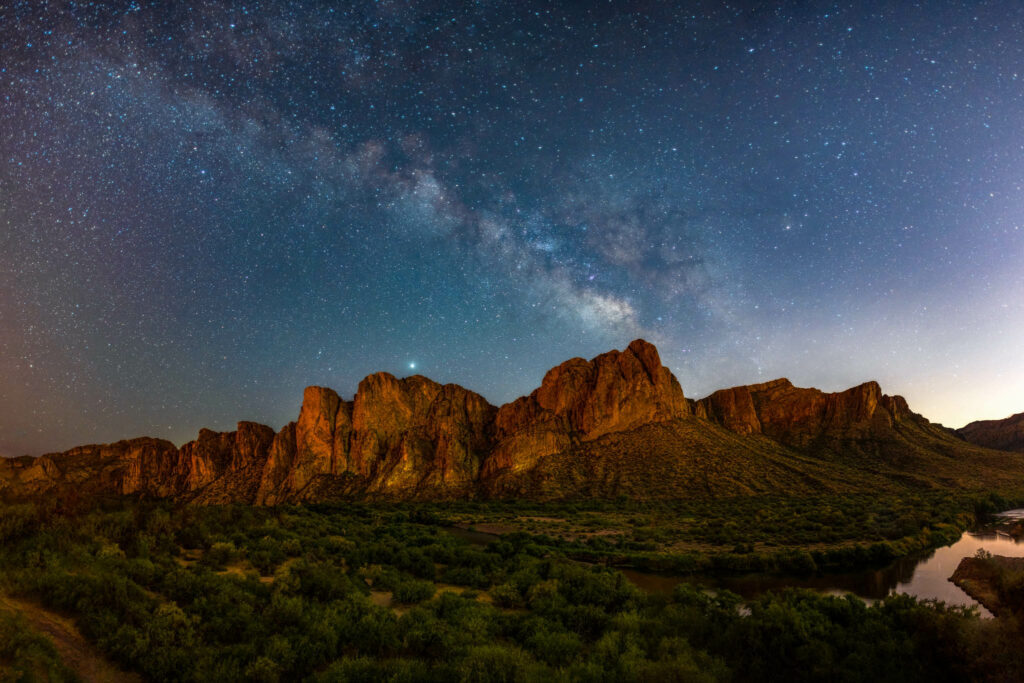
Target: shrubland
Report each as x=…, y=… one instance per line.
x=362, y=592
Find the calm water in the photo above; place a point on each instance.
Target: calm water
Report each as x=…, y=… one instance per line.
x=924, y=576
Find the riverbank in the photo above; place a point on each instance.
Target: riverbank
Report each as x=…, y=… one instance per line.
x=992, y=580
x=919, y=566
x=768, y=535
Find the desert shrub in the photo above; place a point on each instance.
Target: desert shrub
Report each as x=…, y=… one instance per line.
x=412, y=591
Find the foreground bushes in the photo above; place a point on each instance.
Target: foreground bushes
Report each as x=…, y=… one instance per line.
x=285, y=594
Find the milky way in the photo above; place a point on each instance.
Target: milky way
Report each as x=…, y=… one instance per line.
x=205, y=209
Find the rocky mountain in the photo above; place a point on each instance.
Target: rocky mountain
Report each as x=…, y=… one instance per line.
x=809, y=418
x=1004, y=435
x=581, y=400
x=617, y=424
x=860, y=428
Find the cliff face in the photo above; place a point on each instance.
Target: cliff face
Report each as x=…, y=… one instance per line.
x=397, y=437
x=581, y=400
x=860, y=422
x=1003, y=435
x=143, y=465
x=620, y=417
x=316, y=444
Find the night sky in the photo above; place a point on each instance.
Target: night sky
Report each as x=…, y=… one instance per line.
x=205, y=209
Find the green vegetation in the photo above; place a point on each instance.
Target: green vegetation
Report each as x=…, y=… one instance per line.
x=27, y=656
x=738, y=535
x=385, y=592
x=994, y=581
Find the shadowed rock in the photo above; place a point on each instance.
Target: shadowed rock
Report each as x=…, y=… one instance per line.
x=1004, y=435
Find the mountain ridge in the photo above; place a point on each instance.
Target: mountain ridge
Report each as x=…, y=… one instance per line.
x=617, y=424
x=1006, y=434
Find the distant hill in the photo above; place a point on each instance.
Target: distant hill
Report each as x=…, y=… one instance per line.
x=1005, y=435
x=617, y=424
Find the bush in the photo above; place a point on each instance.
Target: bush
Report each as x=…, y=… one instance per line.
x=496, y=664
x=220, y=554
x=409, y=592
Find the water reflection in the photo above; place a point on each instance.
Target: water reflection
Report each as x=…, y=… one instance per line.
x=924, y=576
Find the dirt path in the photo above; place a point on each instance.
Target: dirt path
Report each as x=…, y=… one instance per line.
x=75, y=651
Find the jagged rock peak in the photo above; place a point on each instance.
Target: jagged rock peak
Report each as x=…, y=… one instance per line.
x=614, y=391
x=582, y=400
x=780, y=383
x=413, y=437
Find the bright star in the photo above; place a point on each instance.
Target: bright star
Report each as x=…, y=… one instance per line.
x=412, y=366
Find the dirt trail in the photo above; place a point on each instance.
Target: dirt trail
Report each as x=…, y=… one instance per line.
x=75, y=651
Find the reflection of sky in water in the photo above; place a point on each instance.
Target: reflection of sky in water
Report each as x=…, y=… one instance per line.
x=924, y=576
x=930, y=579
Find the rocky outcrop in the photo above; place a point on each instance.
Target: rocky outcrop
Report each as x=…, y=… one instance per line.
x=386, y=409
x=732, y=408
x=142, y=465
x=418, y=444
x=316, y=444
x=150, y=466
x=620, y=417
x=215, y=455
x=1003, y=435
x=280, y=460
x=397, y=436
x=582, y=400
x=799, y=417
x=400, y=437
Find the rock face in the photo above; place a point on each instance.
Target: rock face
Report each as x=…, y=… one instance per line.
x=220, y=467
x=1003, y=435
x=434, y=437
x=618, y=423
x=317, y=444
x=214, y=455
x=279, y=463
x=800, y=417
x=397, y=437
x=143, y=465
x=582, y=400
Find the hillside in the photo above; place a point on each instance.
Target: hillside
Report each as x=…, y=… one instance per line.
x=1005, y=435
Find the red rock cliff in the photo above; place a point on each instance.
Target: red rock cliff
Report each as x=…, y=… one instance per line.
x=797, y=416
x=581, y=400
x=412, y=437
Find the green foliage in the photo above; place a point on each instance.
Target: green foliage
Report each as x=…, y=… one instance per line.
x=413, y=591
x=496, y=663
x=220, y=554
x=17, y=521
x=234, y=593
x=26, y=655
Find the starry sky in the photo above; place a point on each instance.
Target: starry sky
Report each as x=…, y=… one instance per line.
x=205, y=207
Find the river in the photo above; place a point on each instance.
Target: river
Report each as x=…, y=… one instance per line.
x=923, y=575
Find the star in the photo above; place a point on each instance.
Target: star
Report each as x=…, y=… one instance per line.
x=260, y=211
